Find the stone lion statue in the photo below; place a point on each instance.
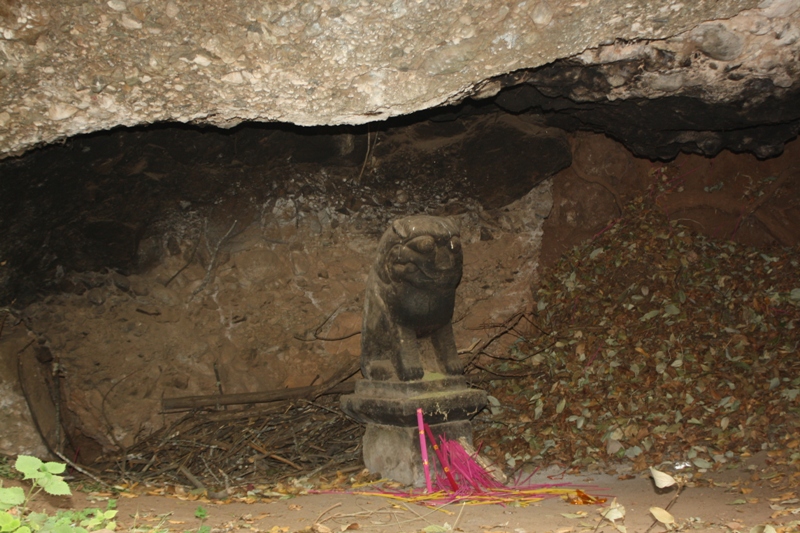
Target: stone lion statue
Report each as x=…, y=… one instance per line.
x=411, y=289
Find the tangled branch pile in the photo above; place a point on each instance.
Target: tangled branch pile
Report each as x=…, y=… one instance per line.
x=225, y=449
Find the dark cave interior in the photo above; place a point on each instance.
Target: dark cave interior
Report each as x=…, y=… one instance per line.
x=88, y=203
x=98, y=212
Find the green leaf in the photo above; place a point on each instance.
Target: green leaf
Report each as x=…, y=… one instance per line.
x=37, y=519
x=10, y=497
x=649, y=315
x=701, y=463
x=634, y=451
x=738, y=502
x=561, y=405
x=54, y=468
x=8, y=522
x=68, y=528
x=672, y=309
x=29, y=466
x=91, y=523
x=596, y=252
x=57, y=487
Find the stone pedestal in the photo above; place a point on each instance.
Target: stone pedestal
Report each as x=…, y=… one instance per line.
x=389, y=409
x=394, y=451
x=408, y=353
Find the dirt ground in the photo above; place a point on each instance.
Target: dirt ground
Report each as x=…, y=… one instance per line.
x=737, y=499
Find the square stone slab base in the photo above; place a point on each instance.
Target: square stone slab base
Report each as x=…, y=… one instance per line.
x=394, y=451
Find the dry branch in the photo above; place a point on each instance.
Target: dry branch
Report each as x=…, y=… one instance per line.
x=246, y=446
x=195, y=402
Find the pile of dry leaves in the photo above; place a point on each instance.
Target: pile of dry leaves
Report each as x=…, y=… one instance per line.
x=655, y=344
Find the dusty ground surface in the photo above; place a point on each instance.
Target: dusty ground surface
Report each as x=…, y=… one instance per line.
x=736, y=499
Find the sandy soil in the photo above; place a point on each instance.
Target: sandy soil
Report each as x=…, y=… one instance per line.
x=730, y=500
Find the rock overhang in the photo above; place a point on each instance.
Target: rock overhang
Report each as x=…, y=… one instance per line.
x=71, y=68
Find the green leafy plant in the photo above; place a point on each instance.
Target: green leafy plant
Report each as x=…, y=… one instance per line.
x=202, y=514
x=16, y=517
x=44, y=476
x=7, y=471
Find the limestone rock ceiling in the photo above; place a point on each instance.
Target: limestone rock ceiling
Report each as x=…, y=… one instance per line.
x=73, y=67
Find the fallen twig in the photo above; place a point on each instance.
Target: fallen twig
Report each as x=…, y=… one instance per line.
x=317, y=337
x=194, y=402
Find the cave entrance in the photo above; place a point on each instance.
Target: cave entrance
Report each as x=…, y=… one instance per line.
x=140, y=265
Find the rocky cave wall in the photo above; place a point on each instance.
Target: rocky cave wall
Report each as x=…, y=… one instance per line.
x=248, y=274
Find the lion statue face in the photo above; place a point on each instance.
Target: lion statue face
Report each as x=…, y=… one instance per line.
x=424, y=252
x=419, y=265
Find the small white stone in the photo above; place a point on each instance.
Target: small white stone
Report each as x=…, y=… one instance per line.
x=202, y=60
x=615, y=80
x=668, y=82
x=61, y=111
x=117, y=5
x=777, y=8
x=5, y=118
x=233, y=77
x=542, y=14
x=172, y=10
x=131, y=23
x=782, y=79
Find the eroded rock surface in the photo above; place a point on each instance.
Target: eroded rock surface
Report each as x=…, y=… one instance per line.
x=728, y=84
x=75, y=67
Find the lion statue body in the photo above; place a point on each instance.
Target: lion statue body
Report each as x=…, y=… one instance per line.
x=408, y=310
